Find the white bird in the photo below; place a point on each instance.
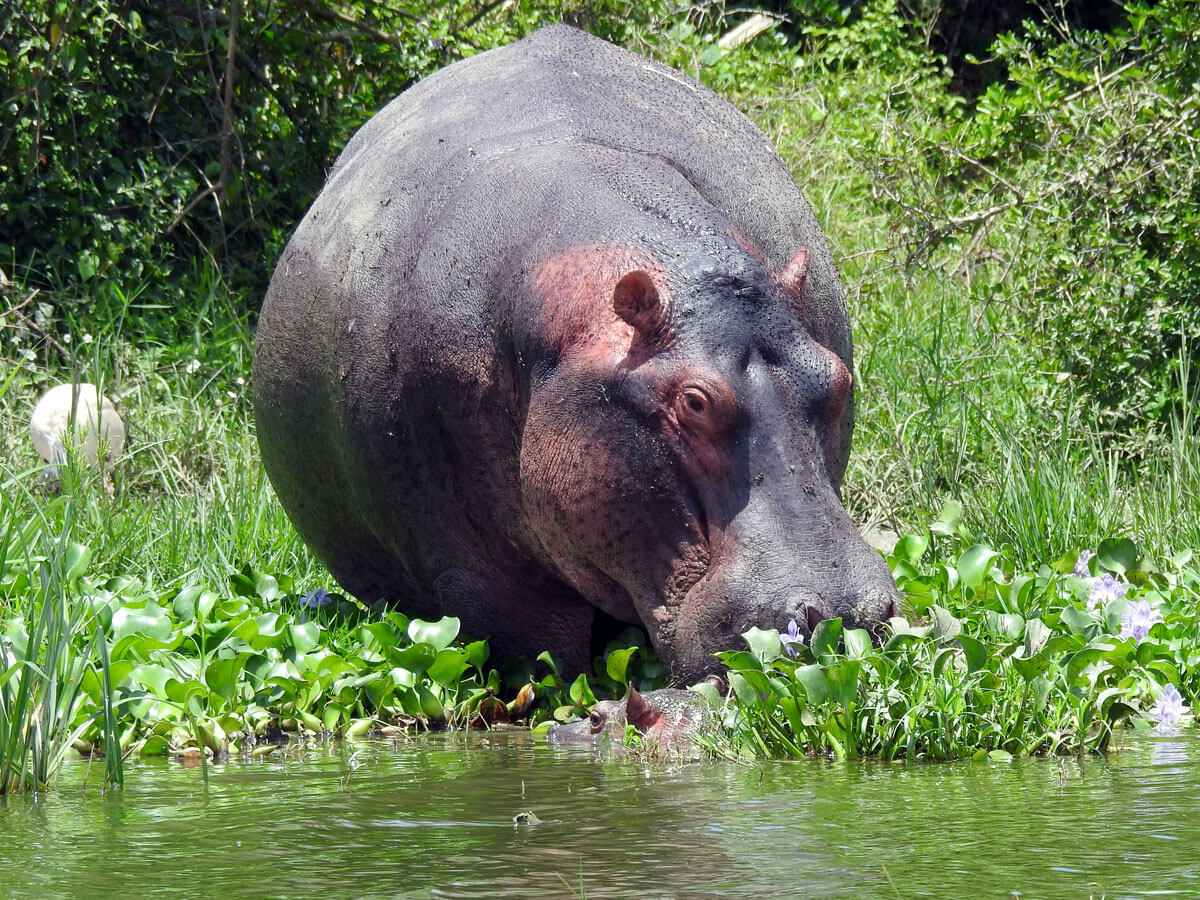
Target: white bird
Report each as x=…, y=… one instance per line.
x=99, y=433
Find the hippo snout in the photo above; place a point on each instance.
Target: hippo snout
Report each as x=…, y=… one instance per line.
x=720, y=609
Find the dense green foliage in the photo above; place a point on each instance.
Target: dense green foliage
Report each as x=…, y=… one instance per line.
x=1005, y=663
x=113, y=663
x=139, y=135
x=1070, y=196
x=1022, y=265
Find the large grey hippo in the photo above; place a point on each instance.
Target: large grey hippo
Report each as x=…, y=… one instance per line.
x=559, y=336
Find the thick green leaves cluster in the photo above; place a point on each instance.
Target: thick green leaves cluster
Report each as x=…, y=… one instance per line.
x=995, y=661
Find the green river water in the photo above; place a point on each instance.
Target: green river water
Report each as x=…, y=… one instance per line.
x=433, y=816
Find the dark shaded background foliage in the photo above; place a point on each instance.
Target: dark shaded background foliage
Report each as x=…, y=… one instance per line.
x=115, y=120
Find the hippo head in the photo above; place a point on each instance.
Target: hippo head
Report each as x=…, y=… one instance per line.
x=668, y=719
x=681, y=463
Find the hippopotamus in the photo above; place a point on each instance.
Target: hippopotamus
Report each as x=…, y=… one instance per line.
x=668, y=720
x=561, y=344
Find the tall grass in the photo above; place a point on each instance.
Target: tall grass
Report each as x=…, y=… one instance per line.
x=42, y=671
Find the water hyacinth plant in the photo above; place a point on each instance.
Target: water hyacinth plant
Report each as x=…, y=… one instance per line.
x=996, y=662
x=1169, y=711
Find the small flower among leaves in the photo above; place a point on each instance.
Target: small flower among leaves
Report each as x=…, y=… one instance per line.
x=1168, y=711
x=1105, y=589
x=316, y=599
x=791, y=638
x=1139, y=618
x=1081, y=565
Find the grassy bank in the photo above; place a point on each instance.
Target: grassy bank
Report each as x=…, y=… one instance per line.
x=954, y=251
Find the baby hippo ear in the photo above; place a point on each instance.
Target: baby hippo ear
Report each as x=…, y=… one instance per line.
x=638, y=711
x=636, y=300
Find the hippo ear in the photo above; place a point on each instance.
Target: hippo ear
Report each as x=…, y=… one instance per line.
x=796, y=271
x=636, y=300
x=638, y=711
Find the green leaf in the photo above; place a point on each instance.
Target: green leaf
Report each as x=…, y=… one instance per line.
x=155, y=745
x=740, y=660
x=1010, y=625
x=86, y=262
x=843, y=681
x=581, y=693
x=945, y=625
x=763, y=643
x=304, y=636
x=757, y=684
x=1037, y=633
x=825, y=639
x=448, y=667
x=379, y=637
x=440, y=634
x=1117, y=555
x=973, y=565
x=191, y=695
x=911, y=548
x=815, y=684
x=76, y=560
x=949, y=520
x=417, y=658
x=152, y=677
x=222, y=676
x=1076, y=620
x=1030, y=669
x=744, y=689
x=975, y=652
x=858, y=643
x=184, y=603
x=1041, y=692
x=617, y=664
x=149, y=621
x=477, y=654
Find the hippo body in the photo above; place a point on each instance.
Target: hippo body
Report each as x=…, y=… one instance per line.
x=561, y=335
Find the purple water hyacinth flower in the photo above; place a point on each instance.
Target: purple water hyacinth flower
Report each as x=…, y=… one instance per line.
x=1169, y=710
x=790, y=638
x=316, y=599
x=1104, y=589
x=1081, y=564
x=1139, y=617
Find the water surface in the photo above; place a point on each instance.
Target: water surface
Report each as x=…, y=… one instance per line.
x=432, y=816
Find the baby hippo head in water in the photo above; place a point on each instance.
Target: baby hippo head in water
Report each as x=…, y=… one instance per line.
x=667, y=719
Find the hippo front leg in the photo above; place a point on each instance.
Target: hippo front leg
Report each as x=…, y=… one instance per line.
x=525, y=620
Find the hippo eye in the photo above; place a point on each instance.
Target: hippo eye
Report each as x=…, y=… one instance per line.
x=596, y=721
x=693, y=406
x=707, y=409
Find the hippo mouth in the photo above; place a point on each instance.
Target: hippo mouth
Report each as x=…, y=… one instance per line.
x=712, y=615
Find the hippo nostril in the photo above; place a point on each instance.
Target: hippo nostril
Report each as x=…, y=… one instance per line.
x=812, y=616
x=894, y=610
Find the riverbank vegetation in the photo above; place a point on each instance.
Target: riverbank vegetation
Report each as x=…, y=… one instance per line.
x=1018, y=236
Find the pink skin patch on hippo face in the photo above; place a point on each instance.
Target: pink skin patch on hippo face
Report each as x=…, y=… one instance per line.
x=841, y=381
x=578, y=288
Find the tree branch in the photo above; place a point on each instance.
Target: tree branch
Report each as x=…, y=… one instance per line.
x=338, y=16
x=235, y=13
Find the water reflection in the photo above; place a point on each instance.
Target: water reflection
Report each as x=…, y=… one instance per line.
x=433, y=817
